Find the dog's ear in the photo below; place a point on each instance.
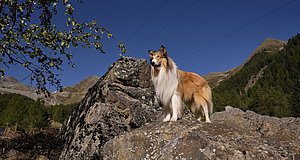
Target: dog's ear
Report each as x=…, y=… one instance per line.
x=163, y=50
x=151, y=53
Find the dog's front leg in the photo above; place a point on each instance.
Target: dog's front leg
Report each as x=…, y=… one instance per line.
x=167, y=110
x=176, y=104
x=168, y=117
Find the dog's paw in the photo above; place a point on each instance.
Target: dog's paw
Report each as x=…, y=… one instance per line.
x=168, y=117
x=208, y=121
x=173, y=119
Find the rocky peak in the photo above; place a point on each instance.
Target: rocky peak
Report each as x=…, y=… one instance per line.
x=83, y=85
x=9, y=84
x=270, y=45
x=7, y=79
x=72, y=94
x=12, y=83
x=69, y=95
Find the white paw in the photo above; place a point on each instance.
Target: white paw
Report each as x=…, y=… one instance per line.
x=173, y=119
x=208, y=121
x=168, y=117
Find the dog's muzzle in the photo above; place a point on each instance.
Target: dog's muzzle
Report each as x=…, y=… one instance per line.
x=154, y=65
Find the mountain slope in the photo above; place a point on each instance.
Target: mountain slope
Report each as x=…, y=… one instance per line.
x=9, y=84
x=268, y=82
x=69, y=95
x=268, y=46
x=215, y=78
x=72, y=94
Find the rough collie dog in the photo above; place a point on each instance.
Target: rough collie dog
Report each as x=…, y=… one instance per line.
x=174, y=87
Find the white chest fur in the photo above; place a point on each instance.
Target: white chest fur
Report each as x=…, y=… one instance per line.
x=165, y=83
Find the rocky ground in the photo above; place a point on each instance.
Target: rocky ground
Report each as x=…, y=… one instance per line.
x=233, y=134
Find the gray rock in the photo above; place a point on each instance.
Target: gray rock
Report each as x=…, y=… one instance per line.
x=233, y=134
x=122, y=100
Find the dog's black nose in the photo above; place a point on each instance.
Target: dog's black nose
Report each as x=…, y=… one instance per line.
x=152, y=63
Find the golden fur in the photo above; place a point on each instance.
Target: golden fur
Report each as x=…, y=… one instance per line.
x=192, y=89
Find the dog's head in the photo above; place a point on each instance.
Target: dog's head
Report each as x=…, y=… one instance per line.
x=158, y=57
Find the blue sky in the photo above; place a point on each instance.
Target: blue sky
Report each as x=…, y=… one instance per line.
x=201, y=36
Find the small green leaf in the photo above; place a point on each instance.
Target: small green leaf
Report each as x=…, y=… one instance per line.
x=68, y=21
x=51, y=64
x=122, y=47
x=69, y=56
x=65, y=2
x=26, y=64
x=96, y=37
x=21, y=8
x=69, y=9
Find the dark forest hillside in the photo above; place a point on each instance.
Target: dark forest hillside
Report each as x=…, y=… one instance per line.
x=269, y=83
x=22, y=112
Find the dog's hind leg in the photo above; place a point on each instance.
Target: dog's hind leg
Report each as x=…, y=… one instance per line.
x=176, y=104
x=195, y=109
x=201, y=102
x=206, y=112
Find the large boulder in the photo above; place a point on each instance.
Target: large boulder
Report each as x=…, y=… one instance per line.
x=122, y=100
x=233, y=134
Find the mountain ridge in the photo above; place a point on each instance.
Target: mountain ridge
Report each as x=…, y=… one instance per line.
x=268, y=45
x=72, y=94
x=68, y=95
